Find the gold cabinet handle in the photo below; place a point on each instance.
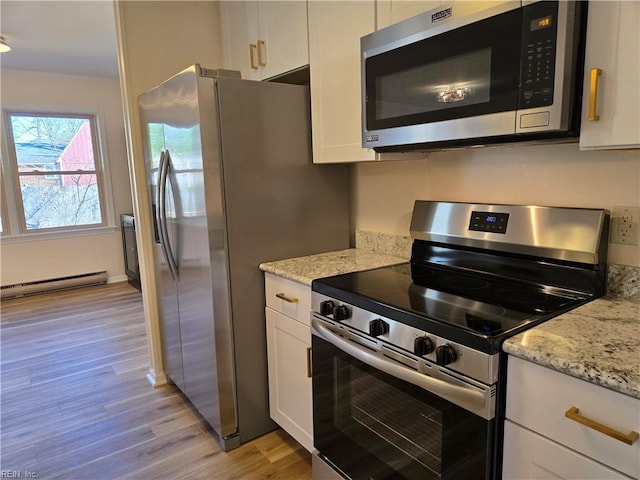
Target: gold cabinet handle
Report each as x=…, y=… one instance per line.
x=284, y=297
x=308, y=362
x=574, y=414
x=252, y=48
x=593, y=94
x=261, y=61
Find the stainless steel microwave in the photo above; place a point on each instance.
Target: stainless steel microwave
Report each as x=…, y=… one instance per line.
x=474, y=73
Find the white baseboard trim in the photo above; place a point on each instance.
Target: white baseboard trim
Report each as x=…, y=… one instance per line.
x=156, y=379
x=117, y=279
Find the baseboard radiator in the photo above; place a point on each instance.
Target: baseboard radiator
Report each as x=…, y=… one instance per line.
x=45, y=286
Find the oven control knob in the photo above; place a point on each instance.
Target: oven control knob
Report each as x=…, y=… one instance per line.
x=326, y=307
x=378, y=327
x=340, y=313
x=422, y=346
x=445, y=354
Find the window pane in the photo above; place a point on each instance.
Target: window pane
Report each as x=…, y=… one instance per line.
x=52, y=143
x=52, y=201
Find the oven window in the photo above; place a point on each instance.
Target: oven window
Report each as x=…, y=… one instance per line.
x=373, y=426
x=371, y=405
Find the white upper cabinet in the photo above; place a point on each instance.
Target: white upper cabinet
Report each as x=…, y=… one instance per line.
x=263, y=39
x=611, y=100
x=335, y=29
x=394, y=11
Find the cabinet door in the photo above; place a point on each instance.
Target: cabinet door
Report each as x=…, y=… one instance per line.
x=283, y=29
x=394, y=11
x=335, y=29
x=264, y=39
x=239, y=31
x=288, y=353
x=613, y=46
x=528, y=455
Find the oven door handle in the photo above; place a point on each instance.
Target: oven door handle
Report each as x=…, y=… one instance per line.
x=467, y=396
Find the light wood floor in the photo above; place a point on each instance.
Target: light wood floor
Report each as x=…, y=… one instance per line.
x=75, y=403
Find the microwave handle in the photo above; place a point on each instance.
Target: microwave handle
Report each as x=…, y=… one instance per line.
x=446, y=390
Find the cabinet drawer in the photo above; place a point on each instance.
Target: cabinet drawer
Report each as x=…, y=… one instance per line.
x=290, y=298
x=528, y=455
x=538, y=397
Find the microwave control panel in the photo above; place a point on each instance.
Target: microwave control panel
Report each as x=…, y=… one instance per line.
x=537, y=71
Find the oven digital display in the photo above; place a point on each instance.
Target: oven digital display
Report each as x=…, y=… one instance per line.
x=489, y=222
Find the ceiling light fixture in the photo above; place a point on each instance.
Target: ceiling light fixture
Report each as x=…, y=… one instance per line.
x=3, y=45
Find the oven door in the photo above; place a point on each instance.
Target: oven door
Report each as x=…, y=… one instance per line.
x=372, y=424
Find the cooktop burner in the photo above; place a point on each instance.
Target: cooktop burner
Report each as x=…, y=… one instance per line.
x=509, y=294
x=476, y=303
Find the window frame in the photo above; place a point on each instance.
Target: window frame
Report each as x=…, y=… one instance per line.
x=4, y=213
x=14, y=224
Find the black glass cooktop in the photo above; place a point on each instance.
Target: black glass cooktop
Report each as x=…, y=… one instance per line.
x=479, y=304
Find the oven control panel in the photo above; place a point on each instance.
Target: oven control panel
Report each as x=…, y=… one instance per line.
x=489, y=222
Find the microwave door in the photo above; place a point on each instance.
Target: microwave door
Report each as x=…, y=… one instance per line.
x=459, y=84
x=441, y=79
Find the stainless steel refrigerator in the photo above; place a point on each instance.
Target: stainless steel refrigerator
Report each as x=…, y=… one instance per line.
x=232, y=185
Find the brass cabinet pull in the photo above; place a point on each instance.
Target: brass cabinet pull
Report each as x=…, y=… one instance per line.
x=308, y=362
x=284, y=297
x=573, y=414
x=261, y=61
x=593, y=94
x=252, y=48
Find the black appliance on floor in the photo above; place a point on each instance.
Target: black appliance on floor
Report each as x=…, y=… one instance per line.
x=408, y=373
x=130, y=249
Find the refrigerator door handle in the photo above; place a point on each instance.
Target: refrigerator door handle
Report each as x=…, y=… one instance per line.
x=162, y=214
x=158, y=202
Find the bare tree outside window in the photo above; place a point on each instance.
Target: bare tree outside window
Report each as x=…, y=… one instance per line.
x=57, y=170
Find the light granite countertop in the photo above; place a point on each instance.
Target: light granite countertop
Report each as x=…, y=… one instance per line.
x=598, y=342
x=306, y=269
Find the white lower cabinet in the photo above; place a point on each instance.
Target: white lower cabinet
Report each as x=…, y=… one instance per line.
x=528, y=455
x=288, y=354
x=559, y=426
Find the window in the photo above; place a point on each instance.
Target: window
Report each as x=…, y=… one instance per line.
x=56, y=171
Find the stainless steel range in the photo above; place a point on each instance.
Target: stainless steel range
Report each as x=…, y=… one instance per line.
x=408, y=373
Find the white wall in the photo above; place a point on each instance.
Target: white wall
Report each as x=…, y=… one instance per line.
x=32, y=260
x=554, y=175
